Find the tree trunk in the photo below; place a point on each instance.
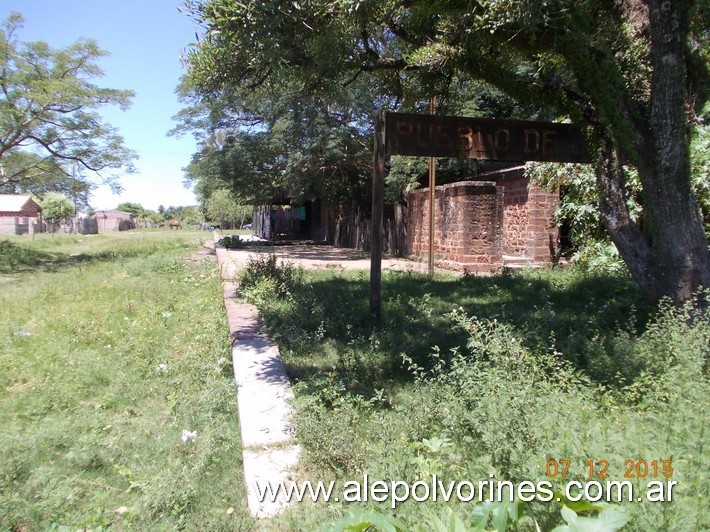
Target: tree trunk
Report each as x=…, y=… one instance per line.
x=680, y=253
x=624, y=232
x=673, y=259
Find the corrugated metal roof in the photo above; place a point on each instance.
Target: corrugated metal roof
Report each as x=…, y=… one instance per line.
x=13, y=202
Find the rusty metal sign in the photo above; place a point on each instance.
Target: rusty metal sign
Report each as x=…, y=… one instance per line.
x=480, y=138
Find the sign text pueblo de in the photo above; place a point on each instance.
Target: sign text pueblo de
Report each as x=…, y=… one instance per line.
x=477, y=138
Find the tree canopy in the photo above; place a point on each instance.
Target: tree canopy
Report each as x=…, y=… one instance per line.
x=136, y=209
x=222, y=207
x=51, y=135
x=56, y=207
x=276, y=142
x=632, y=75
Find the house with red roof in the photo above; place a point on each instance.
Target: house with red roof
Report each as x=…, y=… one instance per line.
x=19, y=215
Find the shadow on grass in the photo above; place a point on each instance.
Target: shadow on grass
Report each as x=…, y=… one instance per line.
x=16, y=259
x=577, y=314
x=19, y=259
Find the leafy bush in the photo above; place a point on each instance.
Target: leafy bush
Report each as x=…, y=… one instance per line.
x=600, y=257
x=231, y=242
x=579, y=200
x=265, y=280
x=10, y=255
x=700, y=166
x=15, y=257
x=527, y=367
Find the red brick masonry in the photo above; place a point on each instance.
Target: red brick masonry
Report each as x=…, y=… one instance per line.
x=527, y=220
x=479, y=222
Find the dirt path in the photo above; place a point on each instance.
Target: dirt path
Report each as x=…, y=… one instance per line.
x=207, y=249
x=317, y=256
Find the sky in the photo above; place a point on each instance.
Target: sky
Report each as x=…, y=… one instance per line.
x=145, y=39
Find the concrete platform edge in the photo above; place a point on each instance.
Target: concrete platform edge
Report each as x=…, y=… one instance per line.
x=264, y=396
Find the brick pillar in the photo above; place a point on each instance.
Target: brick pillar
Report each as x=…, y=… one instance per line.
x=479, y=242
x=528, y=230
x=468, y=228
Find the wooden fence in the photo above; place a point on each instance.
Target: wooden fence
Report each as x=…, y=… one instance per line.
x=354, y=230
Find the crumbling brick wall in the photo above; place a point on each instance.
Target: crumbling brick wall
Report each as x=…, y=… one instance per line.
x=478, y=223
x=527, y=220
x=468, y=225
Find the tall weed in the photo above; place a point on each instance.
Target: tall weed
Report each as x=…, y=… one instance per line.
x=525, y=368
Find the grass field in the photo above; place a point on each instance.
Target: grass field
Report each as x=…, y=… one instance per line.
x=118, y=405
x=468, y=377
x=118, y=408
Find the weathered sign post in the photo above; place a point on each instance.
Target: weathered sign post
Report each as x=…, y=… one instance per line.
x=432, y=194
x=462, y=137
x=378, y=202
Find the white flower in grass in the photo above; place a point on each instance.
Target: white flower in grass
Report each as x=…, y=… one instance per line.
x=161, y=368
x=221, y=364
x=188, y=435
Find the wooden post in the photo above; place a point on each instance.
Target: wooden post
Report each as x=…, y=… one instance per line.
x=378, y=200
x=432, y=195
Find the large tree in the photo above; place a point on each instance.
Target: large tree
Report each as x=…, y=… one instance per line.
x=136, y=209
x=49, y=125
x=56, y=208
x=222, y=207
x=280, y=141
x=631, y=74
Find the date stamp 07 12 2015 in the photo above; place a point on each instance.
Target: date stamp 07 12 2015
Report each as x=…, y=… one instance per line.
x=655, y=470
x=600, y=468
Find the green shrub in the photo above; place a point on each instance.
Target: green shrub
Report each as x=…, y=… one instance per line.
x=10, y=254
x=17, y=257
x=265, y=280
x=231, y=242
x=528, y=367
x=600, y=257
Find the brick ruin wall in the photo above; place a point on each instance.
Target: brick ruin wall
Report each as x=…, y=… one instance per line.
x=19, y=225
x=468, y=226
x=479, y=222
x=527, y=221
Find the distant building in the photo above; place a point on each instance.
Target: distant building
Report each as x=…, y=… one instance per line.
x=19, y=215
x=83, y=223
x=114, y=221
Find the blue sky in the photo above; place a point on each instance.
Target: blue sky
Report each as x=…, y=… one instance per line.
x=145, y=39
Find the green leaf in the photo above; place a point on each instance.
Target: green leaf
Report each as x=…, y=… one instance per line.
x=498, y=512
x=578, y=506
x=450, y=522
x=360, y=520
x=609, y=520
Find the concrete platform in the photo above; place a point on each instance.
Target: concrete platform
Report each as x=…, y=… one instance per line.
x=264, y=396
x=262, y=468
x=264, y=393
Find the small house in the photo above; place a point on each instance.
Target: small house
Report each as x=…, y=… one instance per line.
x=19, y=215
x=113, y=220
